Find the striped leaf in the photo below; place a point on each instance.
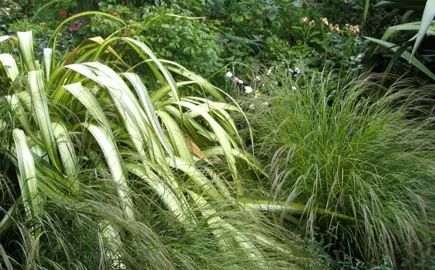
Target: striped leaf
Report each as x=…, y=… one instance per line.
x=114, y=163
x=40, y=108
x=9, y=65
x=27, y=175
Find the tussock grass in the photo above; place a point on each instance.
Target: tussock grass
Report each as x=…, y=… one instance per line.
x=346, y=145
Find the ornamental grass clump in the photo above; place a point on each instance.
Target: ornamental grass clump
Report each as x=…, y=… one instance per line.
x=115, y=159
x=353, y=161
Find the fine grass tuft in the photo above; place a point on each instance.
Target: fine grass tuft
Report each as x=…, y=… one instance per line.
x=348, y=146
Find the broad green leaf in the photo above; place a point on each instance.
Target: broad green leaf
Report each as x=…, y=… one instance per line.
x=415, y=26
x=128, y=107
x=426, y=21
x=111, y=233
x=415, y=5
x=405, y=55
x=203, y=83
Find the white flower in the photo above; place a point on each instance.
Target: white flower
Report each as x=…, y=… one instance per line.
x=265, y=103
x=240, y=81
x=258, y=78
x=269, y=71
x=229, y=74
x=248, y=90
x=297, y=70
x=294, y=88
x=252, y=106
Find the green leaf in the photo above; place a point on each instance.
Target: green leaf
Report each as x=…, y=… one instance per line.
x=405, y=55
x=366, y=10
x=426, y=21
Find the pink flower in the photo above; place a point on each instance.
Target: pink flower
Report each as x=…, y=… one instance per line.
x=236, y=79
x=63, y=13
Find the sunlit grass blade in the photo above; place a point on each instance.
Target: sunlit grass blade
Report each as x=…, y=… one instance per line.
x=5, y=259
x=66, y=148
x=277, y=206
x=141, y=47
x=85, y=96
x=9, y=65
x=178, y=207
x=176, y=136
x=147, y=105
x=126, y=103
x=48, y=54
x=223, y=229
x=223, y=139
x=197, y=177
